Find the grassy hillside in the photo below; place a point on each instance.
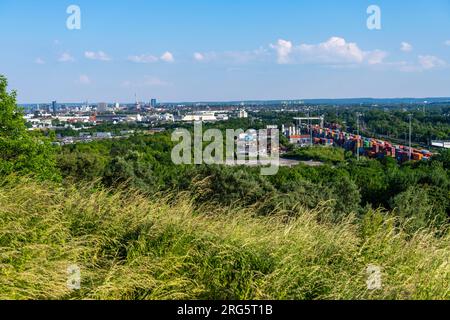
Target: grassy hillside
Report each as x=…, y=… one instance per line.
x=129, y=246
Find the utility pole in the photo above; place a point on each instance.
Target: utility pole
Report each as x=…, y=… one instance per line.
x=410, y=134
x=310, y=128
x=357, y=132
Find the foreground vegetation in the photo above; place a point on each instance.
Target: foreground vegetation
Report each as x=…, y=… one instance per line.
x=130, y=246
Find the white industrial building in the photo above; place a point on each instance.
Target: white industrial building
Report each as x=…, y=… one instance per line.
x=441, y=144
x=201, y=116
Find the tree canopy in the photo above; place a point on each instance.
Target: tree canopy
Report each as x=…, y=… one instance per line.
x=21, y=151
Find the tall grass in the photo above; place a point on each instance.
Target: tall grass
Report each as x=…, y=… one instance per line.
x=129, y=246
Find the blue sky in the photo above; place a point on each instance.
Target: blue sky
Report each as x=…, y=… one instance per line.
x=213, y=50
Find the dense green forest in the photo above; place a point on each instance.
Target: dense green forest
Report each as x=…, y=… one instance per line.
x=415, y=191
x=144, y=228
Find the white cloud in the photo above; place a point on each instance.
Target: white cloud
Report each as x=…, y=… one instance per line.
x=99, y=55
x=208, y=56
x=447, y=43
x=39, y=61
x=198, y=56
x=283, y=49
x=144, y=58
x=66, y=57
x=335, y=51
x=148, y=58
x=84, y=79
x=375, y=57
x=431, y=62
x=234, y=57
x=423, y=63
x=167, y=57
x=406, y=47
x=148, y=81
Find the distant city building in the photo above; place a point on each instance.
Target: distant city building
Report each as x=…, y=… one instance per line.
x=54, y=107
x=302, y=140
x=247, y=144
x=243, y=114
x=73, y=119
x=168, y=117
x=137, y=105
x=38, y=123
x=222, y=117
x=111, y=118
x=134, y=118
x=202, y=116
x=103, y=135
x=153, y=103
x=102, y=107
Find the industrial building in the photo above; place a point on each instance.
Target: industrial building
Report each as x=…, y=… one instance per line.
x=441, y=144
x=200, y=116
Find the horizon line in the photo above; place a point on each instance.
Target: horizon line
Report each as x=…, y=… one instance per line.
x=250, y=100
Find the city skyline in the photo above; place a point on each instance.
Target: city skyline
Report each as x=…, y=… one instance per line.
x=204, y=51
x=338, y=101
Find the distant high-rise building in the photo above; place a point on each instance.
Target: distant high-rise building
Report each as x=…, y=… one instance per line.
x=54, y=107
x=153, y=103
x=137, y=105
